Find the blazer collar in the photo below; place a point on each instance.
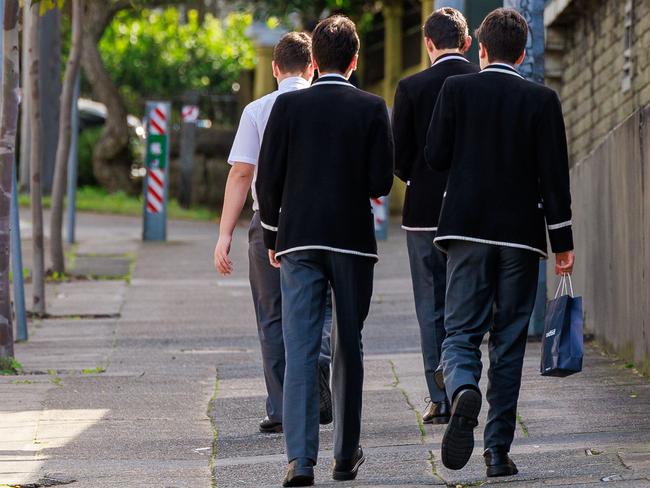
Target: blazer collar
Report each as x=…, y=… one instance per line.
x=332, y=79
x=449, y=57
x=501, y=68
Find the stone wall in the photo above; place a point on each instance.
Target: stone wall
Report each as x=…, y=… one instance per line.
x=210, y=167
x=586, y=46
x=611, y=205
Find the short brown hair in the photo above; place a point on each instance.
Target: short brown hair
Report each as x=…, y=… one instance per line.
x=292, y=53
x=447, y=28
x=504, y=33
x=335, y=42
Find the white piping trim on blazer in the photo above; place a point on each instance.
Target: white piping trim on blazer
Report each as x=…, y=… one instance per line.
x=568, y=223
x=449, y=58
x=420, y=229
x=333, y=83
x=328, y=248
x=268, y=227
x=487, y=241
x=494, y=67
x=333, y=75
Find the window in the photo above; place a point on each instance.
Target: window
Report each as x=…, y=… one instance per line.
x=628, y=42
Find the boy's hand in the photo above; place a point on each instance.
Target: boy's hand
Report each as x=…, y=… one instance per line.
x=222, y=262
x=274, y=262
x=564, y=263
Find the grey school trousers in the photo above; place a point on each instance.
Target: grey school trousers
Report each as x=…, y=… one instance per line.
x=489, y=289
x=267, y=300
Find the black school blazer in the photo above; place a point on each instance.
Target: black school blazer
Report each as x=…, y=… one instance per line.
x=414, y=101
x=326, y=151
x=503, y=141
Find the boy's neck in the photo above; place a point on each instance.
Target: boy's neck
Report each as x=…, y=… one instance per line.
x=337, y=73
x=285, y=76
x=498, y=61
x=436, y=53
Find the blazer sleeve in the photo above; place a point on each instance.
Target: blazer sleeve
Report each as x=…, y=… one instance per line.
x=440, y=136
x=381, y=156
x=403, y=134
x=271, y=172
x=553, y=172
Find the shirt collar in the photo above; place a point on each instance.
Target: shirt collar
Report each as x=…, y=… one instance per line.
x=449, y=57
x=502, y=68
x=292, y=83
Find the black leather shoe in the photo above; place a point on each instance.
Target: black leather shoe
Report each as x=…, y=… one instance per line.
x=347, y=469
x=439, y=378
x=499, y=463
x=458, y=441
x=325, y=397
x=436, y=413
x=300, y=473
x=268, y=426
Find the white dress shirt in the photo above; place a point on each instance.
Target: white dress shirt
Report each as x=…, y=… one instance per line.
x=248, y=140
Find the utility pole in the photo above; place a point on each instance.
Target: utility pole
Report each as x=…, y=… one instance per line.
x=190, y=115
x=72, y=165
x=50, y=89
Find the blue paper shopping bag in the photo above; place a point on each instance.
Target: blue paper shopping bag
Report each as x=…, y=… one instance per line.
x=562, y=344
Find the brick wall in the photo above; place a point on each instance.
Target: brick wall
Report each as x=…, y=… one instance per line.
x=590, y=78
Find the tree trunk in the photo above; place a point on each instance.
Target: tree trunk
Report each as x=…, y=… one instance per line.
x=36, y=163
x=8, y=126
x=111, y=156
x=63, y=146
x=25, y=134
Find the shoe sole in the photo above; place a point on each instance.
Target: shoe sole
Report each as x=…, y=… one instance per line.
x=458, y=441
x=349, y=475
x=272, y=430
x=326, y=416
x=501, y=470
x=300, y=480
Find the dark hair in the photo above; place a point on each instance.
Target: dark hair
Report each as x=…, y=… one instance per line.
x=335, y=42
x=292, y=53
x=504, y=33
x=447, y=28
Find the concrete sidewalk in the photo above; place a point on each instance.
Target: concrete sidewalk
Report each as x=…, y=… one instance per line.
x=164, y=389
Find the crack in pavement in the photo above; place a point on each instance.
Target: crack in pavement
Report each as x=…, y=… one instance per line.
x=215, y=433
x=418, y=416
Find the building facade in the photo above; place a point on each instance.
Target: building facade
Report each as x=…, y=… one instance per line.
x=598, y=60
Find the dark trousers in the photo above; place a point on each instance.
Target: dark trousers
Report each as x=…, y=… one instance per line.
x=429, y=275
x=305, y=279
x=267, y=299
x=489, y=289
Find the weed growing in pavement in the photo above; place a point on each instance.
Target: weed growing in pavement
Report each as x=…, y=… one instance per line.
x=22, y=382
x=99, y=369
x=10, y=366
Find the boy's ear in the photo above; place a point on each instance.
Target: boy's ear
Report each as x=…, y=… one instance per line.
x=521, y=57
x=276, y=69
x=309, y=72
x=353, y=63
x=468, y=44
x=482, y=52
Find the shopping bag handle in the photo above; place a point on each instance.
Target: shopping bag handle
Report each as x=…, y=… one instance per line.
x=564, y=287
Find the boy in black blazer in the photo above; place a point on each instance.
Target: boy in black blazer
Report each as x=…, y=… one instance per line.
x=446, y=38
x=502, y=139
x=326, y=151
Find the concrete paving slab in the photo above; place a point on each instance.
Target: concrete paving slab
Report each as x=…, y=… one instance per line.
x=185, y=345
